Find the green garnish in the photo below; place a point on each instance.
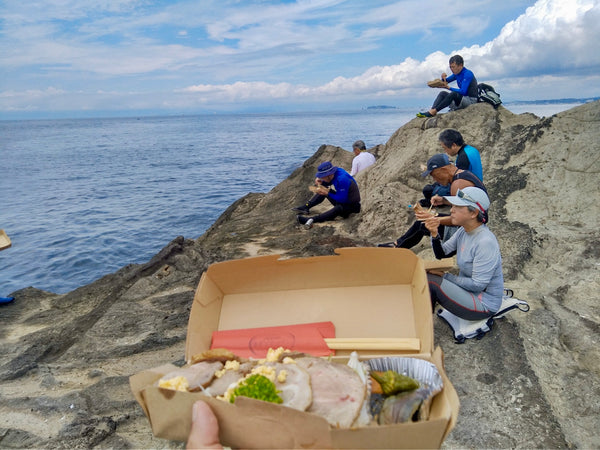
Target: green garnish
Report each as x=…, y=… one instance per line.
x=258, y=387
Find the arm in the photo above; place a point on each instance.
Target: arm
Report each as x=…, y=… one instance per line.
x=459, y=184
x=438, y=200
x=484, y=265
x=462, y=161
x=432, y=224
x=342, y=187
x=464, y=80
x=354, y=169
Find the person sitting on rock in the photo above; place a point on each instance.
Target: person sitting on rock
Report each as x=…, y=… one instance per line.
x=466, y=94
x=476, y=292
x=362, y=158
x=445, y=173
x=467, y=158
x=336, y=185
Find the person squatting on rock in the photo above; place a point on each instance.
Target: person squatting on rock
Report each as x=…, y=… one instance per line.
x=445, y=173
x=466, y=158
x=362, y=158
x=476, y=292
x=336, y=185
x=458, y=98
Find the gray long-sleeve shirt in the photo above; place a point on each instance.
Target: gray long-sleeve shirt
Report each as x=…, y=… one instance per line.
x=480, y=264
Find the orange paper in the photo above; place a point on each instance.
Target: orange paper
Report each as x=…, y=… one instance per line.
x=255, y=342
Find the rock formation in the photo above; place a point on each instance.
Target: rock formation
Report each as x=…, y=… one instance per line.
x=533, y=381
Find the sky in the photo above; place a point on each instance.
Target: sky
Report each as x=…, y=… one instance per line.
x=74, y=58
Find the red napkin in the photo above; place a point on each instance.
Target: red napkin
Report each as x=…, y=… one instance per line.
x=255, y=342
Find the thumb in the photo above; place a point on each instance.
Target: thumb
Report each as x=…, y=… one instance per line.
x=205, y=428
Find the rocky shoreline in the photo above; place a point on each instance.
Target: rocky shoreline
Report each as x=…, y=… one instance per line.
x=532, y=382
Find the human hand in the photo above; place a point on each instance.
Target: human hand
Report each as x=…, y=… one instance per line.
x=437, y=200
x=422, y=214
x=205, y=428
x=322, y=190
x=432, y=223
x=444, y=76
x=319, y=189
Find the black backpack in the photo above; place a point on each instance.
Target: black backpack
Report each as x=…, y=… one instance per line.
x=486, y=93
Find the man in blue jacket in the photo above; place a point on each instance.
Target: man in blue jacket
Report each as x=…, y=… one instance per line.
x=462, y=96
x=336, y=185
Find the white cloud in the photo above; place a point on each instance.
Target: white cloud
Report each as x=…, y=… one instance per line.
x=252, y=54
x=552, y=36
x=549, y=45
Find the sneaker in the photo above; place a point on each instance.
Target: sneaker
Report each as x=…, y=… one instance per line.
x=301, y=209
x=424, y=114
x=309, y=223
x=387, y=244
x=301, y=219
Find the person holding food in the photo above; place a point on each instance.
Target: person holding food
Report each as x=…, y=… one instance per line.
x=336, y=185
x=465, y=156
x=476, y=292
x=462, y=96
x=445, y=173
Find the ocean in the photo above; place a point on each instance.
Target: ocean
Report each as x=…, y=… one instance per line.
x=82, y=198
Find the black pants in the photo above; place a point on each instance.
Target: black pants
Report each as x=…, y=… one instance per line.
x=444, y=99
x=339, y=209
x=415, y=233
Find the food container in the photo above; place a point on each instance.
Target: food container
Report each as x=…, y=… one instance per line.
x=371, y=295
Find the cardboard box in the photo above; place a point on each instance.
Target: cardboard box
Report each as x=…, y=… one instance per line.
x=365, y=292
x=4, y=240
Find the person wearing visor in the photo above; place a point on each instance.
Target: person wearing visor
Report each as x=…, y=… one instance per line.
x=476, y=292
x=336, y=185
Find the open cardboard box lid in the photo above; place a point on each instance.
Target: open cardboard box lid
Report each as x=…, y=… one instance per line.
x=365, y=292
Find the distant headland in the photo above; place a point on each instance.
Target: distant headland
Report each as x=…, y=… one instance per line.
x=381, y=107
x=557, y=101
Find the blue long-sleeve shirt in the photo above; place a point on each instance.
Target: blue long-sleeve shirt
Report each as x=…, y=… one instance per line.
x=345, y=189
x=466, y=81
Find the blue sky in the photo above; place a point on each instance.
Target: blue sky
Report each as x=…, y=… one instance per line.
x=74, y=58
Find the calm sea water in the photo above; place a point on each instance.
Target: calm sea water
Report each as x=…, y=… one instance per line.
x=83, y=198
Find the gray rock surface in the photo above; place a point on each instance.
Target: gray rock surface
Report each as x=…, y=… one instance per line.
x=532, y=382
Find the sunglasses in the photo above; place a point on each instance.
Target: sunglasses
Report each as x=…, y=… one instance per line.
x=461, y=194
